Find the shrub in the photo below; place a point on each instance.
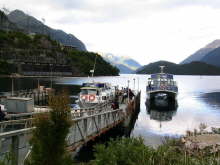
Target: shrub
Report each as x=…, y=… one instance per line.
x=48, y=141
x=133, y=151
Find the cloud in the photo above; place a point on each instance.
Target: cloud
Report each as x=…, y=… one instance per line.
x=167, y=4
x=112, y=11
x=67, y=4
x=101, y=11
x=76, y=11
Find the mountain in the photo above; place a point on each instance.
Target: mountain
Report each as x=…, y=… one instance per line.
x=5, y=23
x=201, y=53
x=32, y=25
x=124, y=69
x=124, y=64
x=213, y=57
x=154, y=67
x=193, y=68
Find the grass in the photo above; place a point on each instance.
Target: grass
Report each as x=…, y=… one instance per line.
x=133, y=151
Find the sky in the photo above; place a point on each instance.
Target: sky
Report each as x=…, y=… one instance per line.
x=145, y=30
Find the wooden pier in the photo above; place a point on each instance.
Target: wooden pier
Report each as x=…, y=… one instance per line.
x=88, y=124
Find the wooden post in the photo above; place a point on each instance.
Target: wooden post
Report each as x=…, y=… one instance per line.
x=15, y=150
x=134, y=84
x=0, y=144
x=38, y=98
x=12, y=86
x=128, y=90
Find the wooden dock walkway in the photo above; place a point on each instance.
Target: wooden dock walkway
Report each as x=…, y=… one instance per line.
x=88, y=124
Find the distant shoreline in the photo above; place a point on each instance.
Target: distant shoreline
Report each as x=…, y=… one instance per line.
x=22, y=76
x=181, y=74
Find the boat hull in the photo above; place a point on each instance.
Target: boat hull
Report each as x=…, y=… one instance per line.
x=161, y=104
x=169, y=95
x=86, y=104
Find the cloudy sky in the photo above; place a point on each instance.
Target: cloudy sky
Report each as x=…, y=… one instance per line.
x=146, y=30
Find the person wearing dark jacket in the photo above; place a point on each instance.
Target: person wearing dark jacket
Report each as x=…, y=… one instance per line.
x=131, y=94
x=2, y=114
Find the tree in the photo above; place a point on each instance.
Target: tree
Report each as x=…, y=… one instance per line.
x=48, y=140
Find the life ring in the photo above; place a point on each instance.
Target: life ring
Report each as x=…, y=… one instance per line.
x=84, y=97
x=91, y=97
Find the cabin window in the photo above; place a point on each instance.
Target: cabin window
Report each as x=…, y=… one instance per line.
x=88, y=91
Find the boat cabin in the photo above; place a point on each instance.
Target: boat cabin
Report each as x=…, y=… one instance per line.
x=161, y=81
x=89, y=91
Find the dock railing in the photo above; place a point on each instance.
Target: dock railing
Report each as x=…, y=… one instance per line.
x=87, y=124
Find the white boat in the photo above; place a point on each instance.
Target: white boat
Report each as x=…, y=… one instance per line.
x=95, y=93
x=161, y=86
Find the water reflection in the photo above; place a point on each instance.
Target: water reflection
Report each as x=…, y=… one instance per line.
x=161, y=110
x=212, y=99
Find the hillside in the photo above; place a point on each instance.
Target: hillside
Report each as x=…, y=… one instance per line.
x=201, y=53
x=5, y=24
x=213, y=57
x=124, y=64
x=193, y=68
x=123, y=69
x=40, y=55
x=32, y=25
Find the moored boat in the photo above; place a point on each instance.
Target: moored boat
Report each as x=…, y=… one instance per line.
x=95, y=93
x=161, y=86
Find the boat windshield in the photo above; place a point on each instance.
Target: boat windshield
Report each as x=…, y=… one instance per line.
x=89, y=91
x=158, y=82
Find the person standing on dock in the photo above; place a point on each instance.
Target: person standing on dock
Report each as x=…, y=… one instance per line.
x=131, y=94
x=115, y=104
x=124, y=94
x=2, y=114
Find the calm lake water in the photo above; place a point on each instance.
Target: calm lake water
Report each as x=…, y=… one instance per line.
x=198, y=102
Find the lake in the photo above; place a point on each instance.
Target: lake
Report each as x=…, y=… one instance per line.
x=198, y=102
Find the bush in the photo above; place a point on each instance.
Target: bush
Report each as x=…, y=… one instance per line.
x=132, y=151
x=122, y=151
x=48, y=141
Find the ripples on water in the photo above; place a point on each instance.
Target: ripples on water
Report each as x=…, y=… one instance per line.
x=198, y=102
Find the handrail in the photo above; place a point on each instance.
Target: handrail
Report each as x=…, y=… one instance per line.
x=90, y=116
x=166, y=88
x=15, y=121
x=16, y=132
x=24, y=121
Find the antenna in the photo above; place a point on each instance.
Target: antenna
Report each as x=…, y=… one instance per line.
x=162, y=69
x=93, y=70
x=5, y=10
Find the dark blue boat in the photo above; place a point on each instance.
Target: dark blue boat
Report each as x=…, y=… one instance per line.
x=161, y=86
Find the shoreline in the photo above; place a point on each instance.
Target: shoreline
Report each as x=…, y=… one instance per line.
x=77, y=76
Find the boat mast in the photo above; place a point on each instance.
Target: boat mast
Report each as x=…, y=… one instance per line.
x=93, y=70
x=162, y=69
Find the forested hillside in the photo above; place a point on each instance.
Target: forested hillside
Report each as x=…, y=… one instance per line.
x=18, y=48
x=193, y=68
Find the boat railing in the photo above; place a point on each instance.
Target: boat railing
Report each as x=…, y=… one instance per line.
x=162, y=87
